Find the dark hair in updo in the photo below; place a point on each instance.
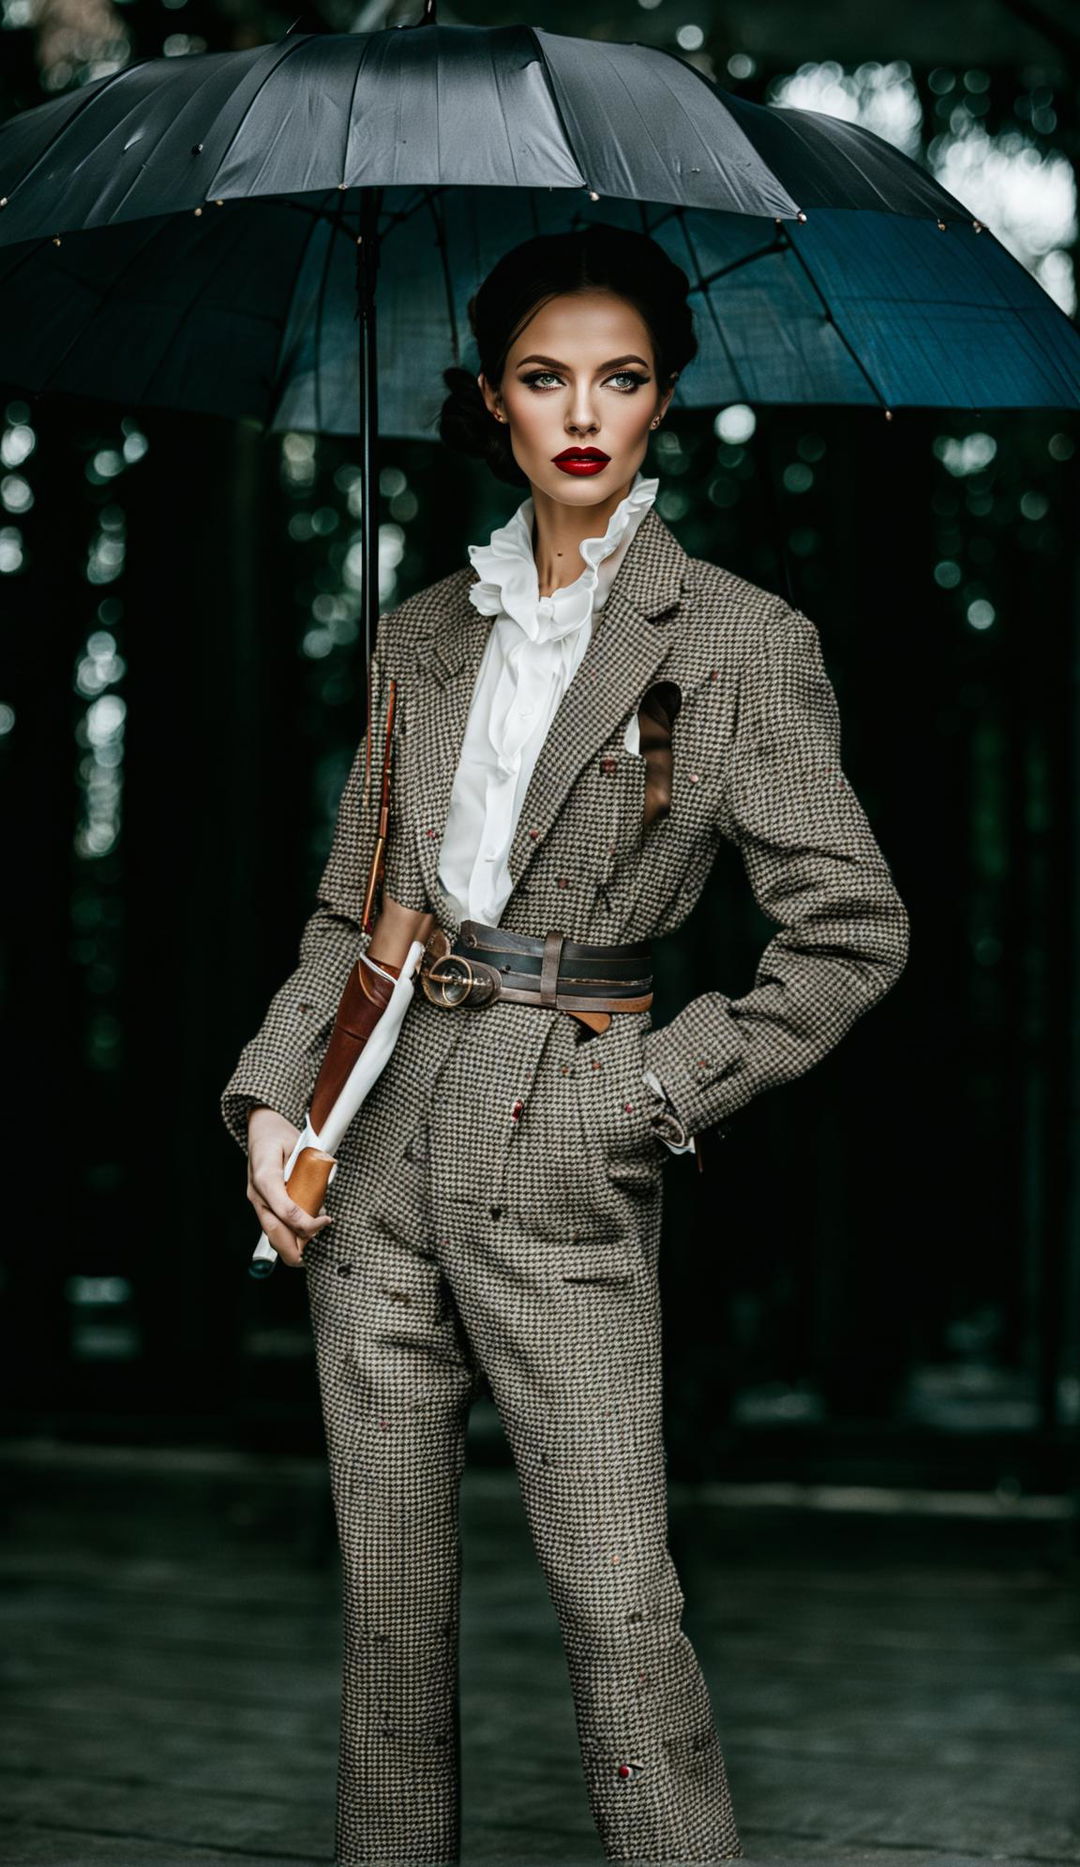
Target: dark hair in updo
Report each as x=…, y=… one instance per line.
x=598, y=257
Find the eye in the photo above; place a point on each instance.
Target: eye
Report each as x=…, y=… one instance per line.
x=629, y=377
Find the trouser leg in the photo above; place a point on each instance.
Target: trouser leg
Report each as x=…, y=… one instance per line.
x=577, y=1387
x=396, y=1382
x=561, y=1303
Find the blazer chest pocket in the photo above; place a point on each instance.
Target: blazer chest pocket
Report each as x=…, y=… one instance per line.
x=634, y=773
x=626, y=819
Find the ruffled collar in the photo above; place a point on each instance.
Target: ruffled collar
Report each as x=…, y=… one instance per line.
x=509, y=583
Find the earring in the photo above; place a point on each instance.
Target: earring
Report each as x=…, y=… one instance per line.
x=656, y=423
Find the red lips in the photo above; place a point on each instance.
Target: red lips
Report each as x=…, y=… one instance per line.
x=581, y=460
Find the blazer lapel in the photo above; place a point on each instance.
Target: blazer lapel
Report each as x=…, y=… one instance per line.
x=627, y=645
x=446, y=670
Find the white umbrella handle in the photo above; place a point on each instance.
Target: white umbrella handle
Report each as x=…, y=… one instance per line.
x=365, y=1071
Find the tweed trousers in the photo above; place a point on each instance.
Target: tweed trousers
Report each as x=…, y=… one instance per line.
x=469, y=1246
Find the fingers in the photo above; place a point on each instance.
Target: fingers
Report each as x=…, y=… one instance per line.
x=284, y=1242
x=287, y=1225
x=288, y=1236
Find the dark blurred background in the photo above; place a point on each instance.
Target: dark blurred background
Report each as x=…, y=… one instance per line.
x=181, y=694
x=873, y=1378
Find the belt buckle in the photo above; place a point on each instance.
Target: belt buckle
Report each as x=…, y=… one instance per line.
x=449, y=979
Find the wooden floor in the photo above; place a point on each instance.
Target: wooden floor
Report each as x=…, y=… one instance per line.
x=889, y=1687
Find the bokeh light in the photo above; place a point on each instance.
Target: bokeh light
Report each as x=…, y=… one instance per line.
x=736, y=423
x=883, y=97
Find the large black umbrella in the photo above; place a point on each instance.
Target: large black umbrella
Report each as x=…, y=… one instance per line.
x=204, y=232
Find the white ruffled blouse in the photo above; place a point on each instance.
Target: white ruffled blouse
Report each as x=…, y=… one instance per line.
x=532, y=653
x=534, y=648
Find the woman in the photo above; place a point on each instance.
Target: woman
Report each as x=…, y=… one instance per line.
x=573, y=745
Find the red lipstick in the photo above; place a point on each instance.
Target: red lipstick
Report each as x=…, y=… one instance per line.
x=582, y=460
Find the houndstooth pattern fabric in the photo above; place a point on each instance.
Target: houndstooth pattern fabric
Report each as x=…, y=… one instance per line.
x=467, y=1248
x=498, y=1198
x=756, y=761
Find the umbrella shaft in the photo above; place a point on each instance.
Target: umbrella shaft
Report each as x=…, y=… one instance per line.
x=367, y=263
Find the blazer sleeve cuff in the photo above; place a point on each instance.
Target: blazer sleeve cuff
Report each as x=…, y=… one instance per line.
x=262, y=1079
x=704, y=1080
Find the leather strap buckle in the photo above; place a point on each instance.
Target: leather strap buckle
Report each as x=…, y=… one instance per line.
x=451, y=979
x=549, y=967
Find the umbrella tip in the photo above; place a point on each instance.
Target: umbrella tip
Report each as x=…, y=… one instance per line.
x=427, y=18
x=307, y=21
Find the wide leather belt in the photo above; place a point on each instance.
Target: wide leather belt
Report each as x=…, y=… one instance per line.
x=483, y=964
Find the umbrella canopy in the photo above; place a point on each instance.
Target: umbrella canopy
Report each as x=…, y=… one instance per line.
x=184, y=233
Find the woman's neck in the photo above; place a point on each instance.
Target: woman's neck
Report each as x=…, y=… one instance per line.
x=559, y=531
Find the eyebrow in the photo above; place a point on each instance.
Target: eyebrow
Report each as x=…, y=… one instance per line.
x=554, y=363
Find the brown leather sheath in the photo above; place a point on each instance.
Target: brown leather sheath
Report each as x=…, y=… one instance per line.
x=363, y=1002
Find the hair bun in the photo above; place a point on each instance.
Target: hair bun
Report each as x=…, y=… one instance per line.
x=466, y=424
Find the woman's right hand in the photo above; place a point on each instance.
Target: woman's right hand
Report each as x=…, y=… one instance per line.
x=271, y=1139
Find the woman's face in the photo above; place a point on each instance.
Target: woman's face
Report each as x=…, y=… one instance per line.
x=581, y=375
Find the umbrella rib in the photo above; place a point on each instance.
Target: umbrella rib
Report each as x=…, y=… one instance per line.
x=178, y=326
x=401, y=215
x=785, y=239
x=555, y=104
x=669, y=213
x=679, y=214
x=276, y=391
x=360, y=63
x=84, y=104
x=441, y=242
x=298, y=207
x=676, y=104
x=294, y=46
x=319, y=318
x=102, y=300
x=717, y=326
x=745, y=259
x=718, y=95
x=24, y=251
x=1025, y=314
x=508, y=140
x=1047, y=356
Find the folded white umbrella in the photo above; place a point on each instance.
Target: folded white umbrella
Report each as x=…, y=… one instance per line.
x=318, y=1148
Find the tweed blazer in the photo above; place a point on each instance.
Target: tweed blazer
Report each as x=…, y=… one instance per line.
x=755, y=761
